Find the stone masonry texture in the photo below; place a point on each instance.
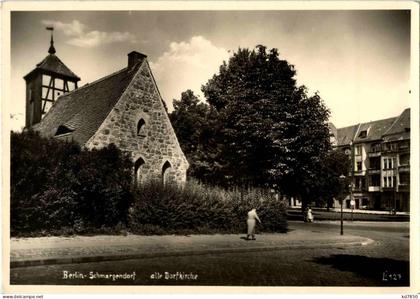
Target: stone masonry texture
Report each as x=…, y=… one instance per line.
x=156, y=144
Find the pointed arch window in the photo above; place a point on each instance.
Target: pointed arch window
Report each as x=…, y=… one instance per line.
x=140, y=128
x=137, y=169
x=166, y=171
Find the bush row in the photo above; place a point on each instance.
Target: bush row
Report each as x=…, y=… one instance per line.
x=58, y=188
x=198, y=208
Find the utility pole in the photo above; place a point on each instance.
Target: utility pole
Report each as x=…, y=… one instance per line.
x=342, y=180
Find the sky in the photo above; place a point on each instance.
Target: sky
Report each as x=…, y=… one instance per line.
x=358, y=61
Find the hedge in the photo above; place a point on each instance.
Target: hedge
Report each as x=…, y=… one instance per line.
x=58, y=188
x=196, y=208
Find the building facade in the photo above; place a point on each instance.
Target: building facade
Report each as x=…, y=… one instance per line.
x=380, y=162
x=124, y=108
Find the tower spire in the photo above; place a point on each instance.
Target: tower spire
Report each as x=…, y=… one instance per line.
x=51, y=50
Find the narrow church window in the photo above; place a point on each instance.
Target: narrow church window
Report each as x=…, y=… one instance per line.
x=166, y=169
x=140, y=128
x=137, y=169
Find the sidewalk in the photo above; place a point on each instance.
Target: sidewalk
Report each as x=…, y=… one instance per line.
x=357, y=215
x=79, y=249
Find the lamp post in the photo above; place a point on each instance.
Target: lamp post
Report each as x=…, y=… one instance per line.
x=342, y=182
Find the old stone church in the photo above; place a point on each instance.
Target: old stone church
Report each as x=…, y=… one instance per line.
x=124, y=108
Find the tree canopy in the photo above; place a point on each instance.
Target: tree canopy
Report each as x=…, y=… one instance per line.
x=265, y=130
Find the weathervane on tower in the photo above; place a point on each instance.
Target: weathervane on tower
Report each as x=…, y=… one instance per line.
x=51, y=50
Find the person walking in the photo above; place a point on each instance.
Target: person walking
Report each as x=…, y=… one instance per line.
x=252, y=216
x=309, y=217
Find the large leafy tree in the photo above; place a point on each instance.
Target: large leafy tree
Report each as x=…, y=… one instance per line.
x=264, y=130
x=274, y=133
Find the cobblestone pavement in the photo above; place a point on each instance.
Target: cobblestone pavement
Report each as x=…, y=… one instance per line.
x=382, y=263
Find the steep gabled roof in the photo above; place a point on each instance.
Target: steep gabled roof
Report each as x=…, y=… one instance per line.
x=401, y=124
x=83, y=110
x=400, y=127
x=52, y=64
x=386, y=129
x=374, y=130
x=345, y=135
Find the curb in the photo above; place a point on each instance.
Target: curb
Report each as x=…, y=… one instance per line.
x=144, y=255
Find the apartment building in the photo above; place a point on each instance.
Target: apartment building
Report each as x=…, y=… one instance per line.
x=380, y=159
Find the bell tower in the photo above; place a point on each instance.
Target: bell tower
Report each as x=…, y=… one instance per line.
x=44, y=84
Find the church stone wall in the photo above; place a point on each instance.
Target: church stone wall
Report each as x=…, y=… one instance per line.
x=156, y=144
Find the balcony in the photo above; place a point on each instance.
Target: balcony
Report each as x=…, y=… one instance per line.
x=404, y=146
x=374, y=188
x=374, y=171
x=404, y=168
x=359, y=172
x=389, y=148
x=374, y=154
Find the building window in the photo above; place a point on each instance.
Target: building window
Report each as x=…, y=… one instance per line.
x=388, y=163
x=357, y=184
x=375, y=180
x=405, y=159
x=389, y=181
x=358, y=150
x=137, y=169
x=375, y=163
x=404, y=179
x=375, y=148
x=359, y=166
x=363, y=134
x=140, y=128
x=166, y=170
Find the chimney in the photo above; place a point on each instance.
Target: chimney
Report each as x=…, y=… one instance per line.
x=134, y=58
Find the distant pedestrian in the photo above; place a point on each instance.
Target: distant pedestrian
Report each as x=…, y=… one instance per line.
x=252, y=216
x=309, y=216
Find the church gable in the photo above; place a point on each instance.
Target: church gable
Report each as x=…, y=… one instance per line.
x=84, y=109
x=139, y=124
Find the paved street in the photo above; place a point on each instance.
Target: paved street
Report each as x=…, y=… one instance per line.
x=382, y=263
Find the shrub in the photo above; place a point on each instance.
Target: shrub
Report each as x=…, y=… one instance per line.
x=56, y=185
x=196, y=208
x=103, y=185
x=59, y=188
